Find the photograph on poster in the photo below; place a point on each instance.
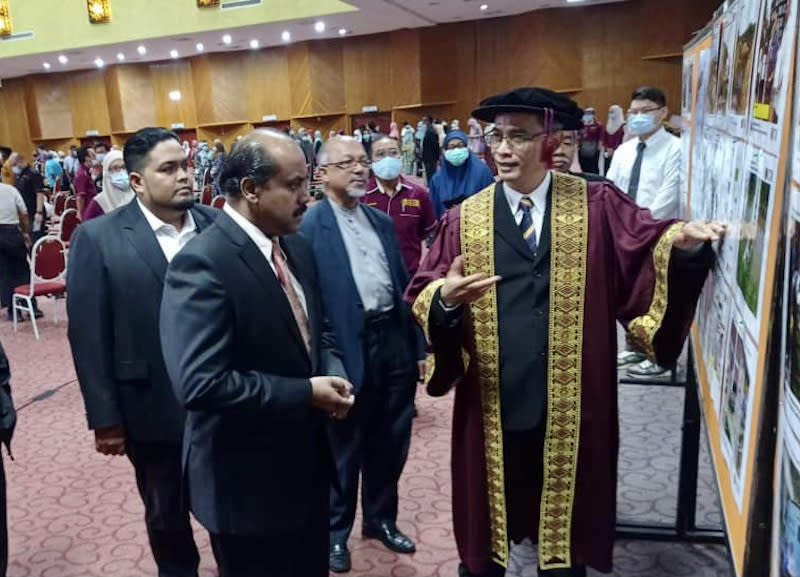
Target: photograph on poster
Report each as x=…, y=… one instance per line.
x=713, y=319
x=725, y=69
x=754, y=235
x=686, y=92
x=736, y=402
x=792, y=315
x=698, y=167
x=713, y=76
x=786, y=516
x=747, y=20
x=773, y=60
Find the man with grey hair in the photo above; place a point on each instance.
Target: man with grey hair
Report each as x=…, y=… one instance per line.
x=242, y=332
x=363, y=277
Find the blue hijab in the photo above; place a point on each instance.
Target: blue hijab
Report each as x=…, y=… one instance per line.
x=453, y=184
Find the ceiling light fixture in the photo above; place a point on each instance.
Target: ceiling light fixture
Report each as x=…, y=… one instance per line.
x=484, y=7
x=141, y=50
x=342, y=31
x=46, y=65
x=200, y=47
x=226, y=39
x=120, y=56
x=175, y=95
x=173, y=53
x=63, y=59
x=319, y=26
x=254, y=44
x=286, y=36
x=99, y=62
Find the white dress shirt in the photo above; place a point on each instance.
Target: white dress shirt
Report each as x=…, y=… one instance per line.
x=539, y=198
x=660, y=176
x=169, y=238
x=264, y=244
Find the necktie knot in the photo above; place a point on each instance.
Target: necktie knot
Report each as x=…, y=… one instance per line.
x=525, y=204
x=641, y=146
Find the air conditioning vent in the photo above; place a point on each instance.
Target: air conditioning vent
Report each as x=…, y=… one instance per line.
x=18, y=36
x=233, y=4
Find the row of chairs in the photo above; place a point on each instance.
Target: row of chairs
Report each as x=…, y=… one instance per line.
x=48, y=264
x=207, y=197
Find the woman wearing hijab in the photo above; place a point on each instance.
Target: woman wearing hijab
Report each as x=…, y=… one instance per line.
x=614, y=133
x=116, y=187
x=393, y=131
x=460, y=175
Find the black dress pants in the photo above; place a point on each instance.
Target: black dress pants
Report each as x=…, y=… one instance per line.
x=374, y=438
x=14, y=268
x=159, y=477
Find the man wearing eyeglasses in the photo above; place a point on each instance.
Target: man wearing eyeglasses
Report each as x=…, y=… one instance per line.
x=519, y=296
x=363, y=277
x=647, y=168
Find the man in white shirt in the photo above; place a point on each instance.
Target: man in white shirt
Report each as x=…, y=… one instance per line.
x=115, y=280
x=647, y=168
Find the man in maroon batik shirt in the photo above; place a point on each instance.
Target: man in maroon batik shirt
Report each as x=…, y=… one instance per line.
x=406, y=202
x=519, y=296
x=83, y=183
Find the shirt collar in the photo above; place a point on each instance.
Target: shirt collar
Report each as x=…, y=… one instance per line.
x=261, y=240
x=538, y=196
x=379, y=187
x=657, y=138
x=157, y=224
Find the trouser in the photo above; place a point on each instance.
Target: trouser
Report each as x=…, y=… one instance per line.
x=14, y=266
x=374, y=438
x=3, y=520
x=523, y=467
x=159, y=478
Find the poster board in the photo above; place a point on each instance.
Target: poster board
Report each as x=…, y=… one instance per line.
x=738, y=157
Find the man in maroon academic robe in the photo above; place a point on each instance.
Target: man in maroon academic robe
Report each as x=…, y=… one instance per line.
x=519, y=298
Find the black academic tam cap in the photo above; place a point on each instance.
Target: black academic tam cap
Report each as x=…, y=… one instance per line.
x=532, y=100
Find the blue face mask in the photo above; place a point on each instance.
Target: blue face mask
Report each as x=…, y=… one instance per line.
x=387, y=168
x=456, y=156
x=120, y=180
x=16, y=170
x=641, y=124
x=587, y=118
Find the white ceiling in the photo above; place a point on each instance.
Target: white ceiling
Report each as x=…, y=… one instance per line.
x=373, y=16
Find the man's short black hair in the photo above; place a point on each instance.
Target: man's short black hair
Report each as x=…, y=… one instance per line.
x=376, y=138
x=650, y=93
x=141, y=143
x=249, y=159
x=82, y=153
x=100, y=143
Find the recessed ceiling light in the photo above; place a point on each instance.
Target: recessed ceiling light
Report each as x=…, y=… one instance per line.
x=342, y=31
x=226, y=39
x=120, y=56
x=46, y=65
x=286, y=36
x=63, y=59
x=200, y=47
x=254, y=44
x=175, y=95
x=574, y=1
x=319, y=26
x=141, y=50
x=484, y=7
x=173, y=53
x=99, y=62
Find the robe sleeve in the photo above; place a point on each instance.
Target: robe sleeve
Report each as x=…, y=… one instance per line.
x=656, y=286
x=444, y=331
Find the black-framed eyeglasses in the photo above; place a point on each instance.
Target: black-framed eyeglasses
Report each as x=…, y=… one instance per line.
x=643, y=111
x=350, y=163
x=515, y=139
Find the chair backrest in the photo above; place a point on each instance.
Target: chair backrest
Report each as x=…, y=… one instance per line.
x=69, y=222
x=207, y=177
x=58, y=185
x=218, y=201
x=59, y=201
x=71, y=203
x=205, y=198
x=48, y=260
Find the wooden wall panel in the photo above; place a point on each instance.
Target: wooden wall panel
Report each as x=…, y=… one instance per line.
x=326, y=67
x=219, y=88
x=404, y=60
x=202, y=83
x=14, y=126
x=48, y=105
x=438, y=76
x=137, y=98
x=367, y=79
x=115, y=113
x=89, y=103
x=169, y=76
x=267, y=84
x=227, y=133
x=300, y=78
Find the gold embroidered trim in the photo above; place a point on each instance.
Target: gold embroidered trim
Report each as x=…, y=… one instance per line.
x=643, y=329
x=477, y=249
x=569, y=239
x=422, y=306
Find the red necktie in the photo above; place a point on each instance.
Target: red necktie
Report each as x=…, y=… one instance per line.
x=282, y=272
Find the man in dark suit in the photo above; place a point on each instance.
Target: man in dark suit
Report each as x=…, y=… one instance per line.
x=114, y=284
x=363, y=278
x=242, y=331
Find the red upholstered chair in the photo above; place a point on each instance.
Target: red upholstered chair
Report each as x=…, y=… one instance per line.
x=72, y=202
x=218, y=201
x=205, y=198
x=207, y=177
x=69, y=222
x=59, y=203
x=48, y=268
x=58, y=185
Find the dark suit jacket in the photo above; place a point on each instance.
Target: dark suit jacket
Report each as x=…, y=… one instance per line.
x=114, y=283
x=255, y=451
x=343, y=305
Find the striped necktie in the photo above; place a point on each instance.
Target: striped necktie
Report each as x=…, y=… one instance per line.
x=527, y=226
x=282, y=272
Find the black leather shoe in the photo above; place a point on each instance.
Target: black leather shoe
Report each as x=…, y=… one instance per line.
x=390, y=535
x=339, y=558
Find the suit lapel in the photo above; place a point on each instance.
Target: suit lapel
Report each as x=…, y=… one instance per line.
x=506, y=227
x=333, y=239
x=144, y=241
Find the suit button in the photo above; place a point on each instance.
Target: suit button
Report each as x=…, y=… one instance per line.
x=538, y=275
x=540, y=313
x=542, y=354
